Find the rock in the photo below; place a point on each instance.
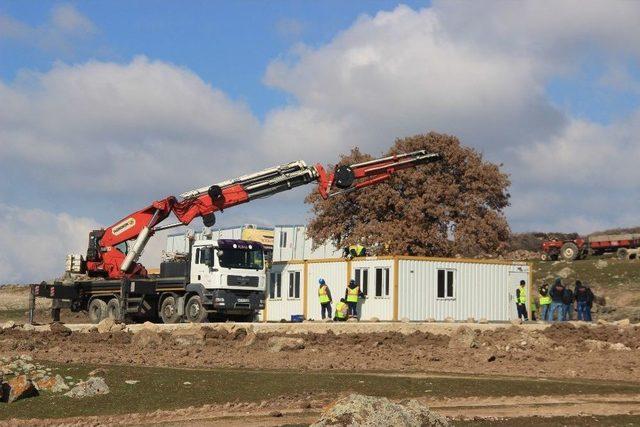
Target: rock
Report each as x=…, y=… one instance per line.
x=146, y=338
x=97, y=372
x=449, y=319
x=491, y=358
x=566, y=272
x=374, y=319
x=18, y=388
x=600, y=264
x=619, y=347
x=596, y=344
x=276, y=344
x=602, y=322
x=131, y=382
x=9, y=325
x=249, y=339
x=471, y=320
x=109, y=325
x=483, y=320
x=92, y=387
x=28, y=327
x=359, y=410
x=464, y=337
x=189, y=336
x=405, y=320
x=150, y=326
x=53, y=384
x=623, y=322
x=59, y=329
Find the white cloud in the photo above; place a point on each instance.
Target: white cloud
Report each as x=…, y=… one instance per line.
x=35, y=242
x=64, y=29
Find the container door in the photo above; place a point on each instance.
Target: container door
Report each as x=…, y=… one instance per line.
x=514, y=283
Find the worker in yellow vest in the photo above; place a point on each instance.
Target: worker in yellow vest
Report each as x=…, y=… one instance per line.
x=545, y=301
x=521, y=301
x=354, y=251
x=341, y=311
x=324, y=295
x=352, y=295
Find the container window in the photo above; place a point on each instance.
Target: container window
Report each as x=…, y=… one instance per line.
x=382, y=282
x=446, y=283
x=294, y=285
x=275, y=286
x=362, y=279
x=283, y=239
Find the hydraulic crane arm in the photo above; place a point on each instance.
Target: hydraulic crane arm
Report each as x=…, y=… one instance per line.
x=105, y=259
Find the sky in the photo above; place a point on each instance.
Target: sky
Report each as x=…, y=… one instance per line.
x=107, y=106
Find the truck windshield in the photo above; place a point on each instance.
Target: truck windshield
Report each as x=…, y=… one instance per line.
x=241, y=258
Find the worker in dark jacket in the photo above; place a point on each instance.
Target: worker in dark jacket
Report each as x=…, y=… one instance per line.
x=352, y=295
x=324, y=295
x=567, y=303
x=584, y=299
x=556, y=292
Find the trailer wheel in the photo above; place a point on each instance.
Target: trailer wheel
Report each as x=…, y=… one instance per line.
x=113, y=309
x=169, y=310
x=97, y=310
x=569, y=251
x=622, y=253
x=194, y=311
x=544, y=256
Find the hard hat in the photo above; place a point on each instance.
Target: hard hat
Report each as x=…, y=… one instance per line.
x=321, y=281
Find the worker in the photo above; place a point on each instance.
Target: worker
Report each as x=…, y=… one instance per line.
x=584, y=299
x=567, y=303
x=341, y=311
x=556, y=292
x=324, y=295
x=521, y=301
x=352, y=295
x=545, y=301
x=355, y=251
x=533, y=309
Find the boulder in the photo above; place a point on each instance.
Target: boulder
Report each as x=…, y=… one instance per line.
x=146, y=338
x=596, y=344
x=619, y=347
x=189, y=336
x=623, y=322
x=109, y=325
x=276, y=344
x=150, y=326
x=359, y=410
x=53, y=384
x=19, y=387
x=600, y=264
x=9, y=325
x=566, y=272
x=91, y=387
x=464, y=337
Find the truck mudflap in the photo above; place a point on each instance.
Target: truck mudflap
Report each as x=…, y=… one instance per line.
x=234, y=301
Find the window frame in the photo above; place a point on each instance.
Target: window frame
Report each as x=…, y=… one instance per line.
x=294, y=286
x=358, y=276
x=276, y=295
x=385, y=286
x=283, y=239
x=449, y=284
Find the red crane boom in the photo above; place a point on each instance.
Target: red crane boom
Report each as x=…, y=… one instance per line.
x=106, y=258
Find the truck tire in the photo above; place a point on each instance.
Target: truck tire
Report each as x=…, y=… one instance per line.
x=113, y=309
x=194, y=311
x=169, y=310
x=97, y=310
x=622, y=253
x=569, y=251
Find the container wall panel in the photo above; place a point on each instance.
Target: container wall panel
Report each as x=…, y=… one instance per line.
x=335, y=275
x=285, y=306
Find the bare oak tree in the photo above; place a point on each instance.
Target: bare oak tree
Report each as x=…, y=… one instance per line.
x=454, y=206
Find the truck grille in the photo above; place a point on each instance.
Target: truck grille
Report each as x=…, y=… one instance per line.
x=242, y=281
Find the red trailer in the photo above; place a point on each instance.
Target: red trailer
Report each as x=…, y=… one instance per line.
x=621, y=244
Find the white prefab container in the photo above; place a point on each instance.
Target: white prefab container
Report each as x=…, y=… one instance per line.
x=400, y=287
x=290, y=242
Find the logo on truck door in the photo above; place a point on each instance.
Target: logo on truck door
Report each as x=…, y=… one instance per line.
x=123, y=226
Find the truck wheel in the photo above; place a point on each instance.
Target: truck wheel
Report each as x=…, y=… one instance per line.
x=194, y=311
x=97, y=310
x=544, y=256
x=113, y=309
x=169, y=310
x=569, y=251
x=622, y=253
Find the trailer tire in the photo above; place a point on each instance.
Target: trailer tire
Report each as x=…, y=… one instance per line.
x=97, y=310
x=569, y=251
x=168, y=311
x=113, y=309
x=194, y=311
x=622, y=253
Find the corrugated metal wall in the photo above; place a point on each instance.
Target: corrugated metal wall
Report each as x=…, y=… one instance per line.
x=334, y=274
x=285, y=306
x=290, y=243
x=480, y=290
x=373, y=305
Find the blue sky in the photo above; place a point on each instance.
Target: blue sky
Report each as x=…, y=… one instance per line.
x=106, y=106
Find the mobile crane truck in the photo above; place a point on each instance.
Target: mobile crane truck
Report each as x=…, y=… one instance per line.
x=217, y=280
